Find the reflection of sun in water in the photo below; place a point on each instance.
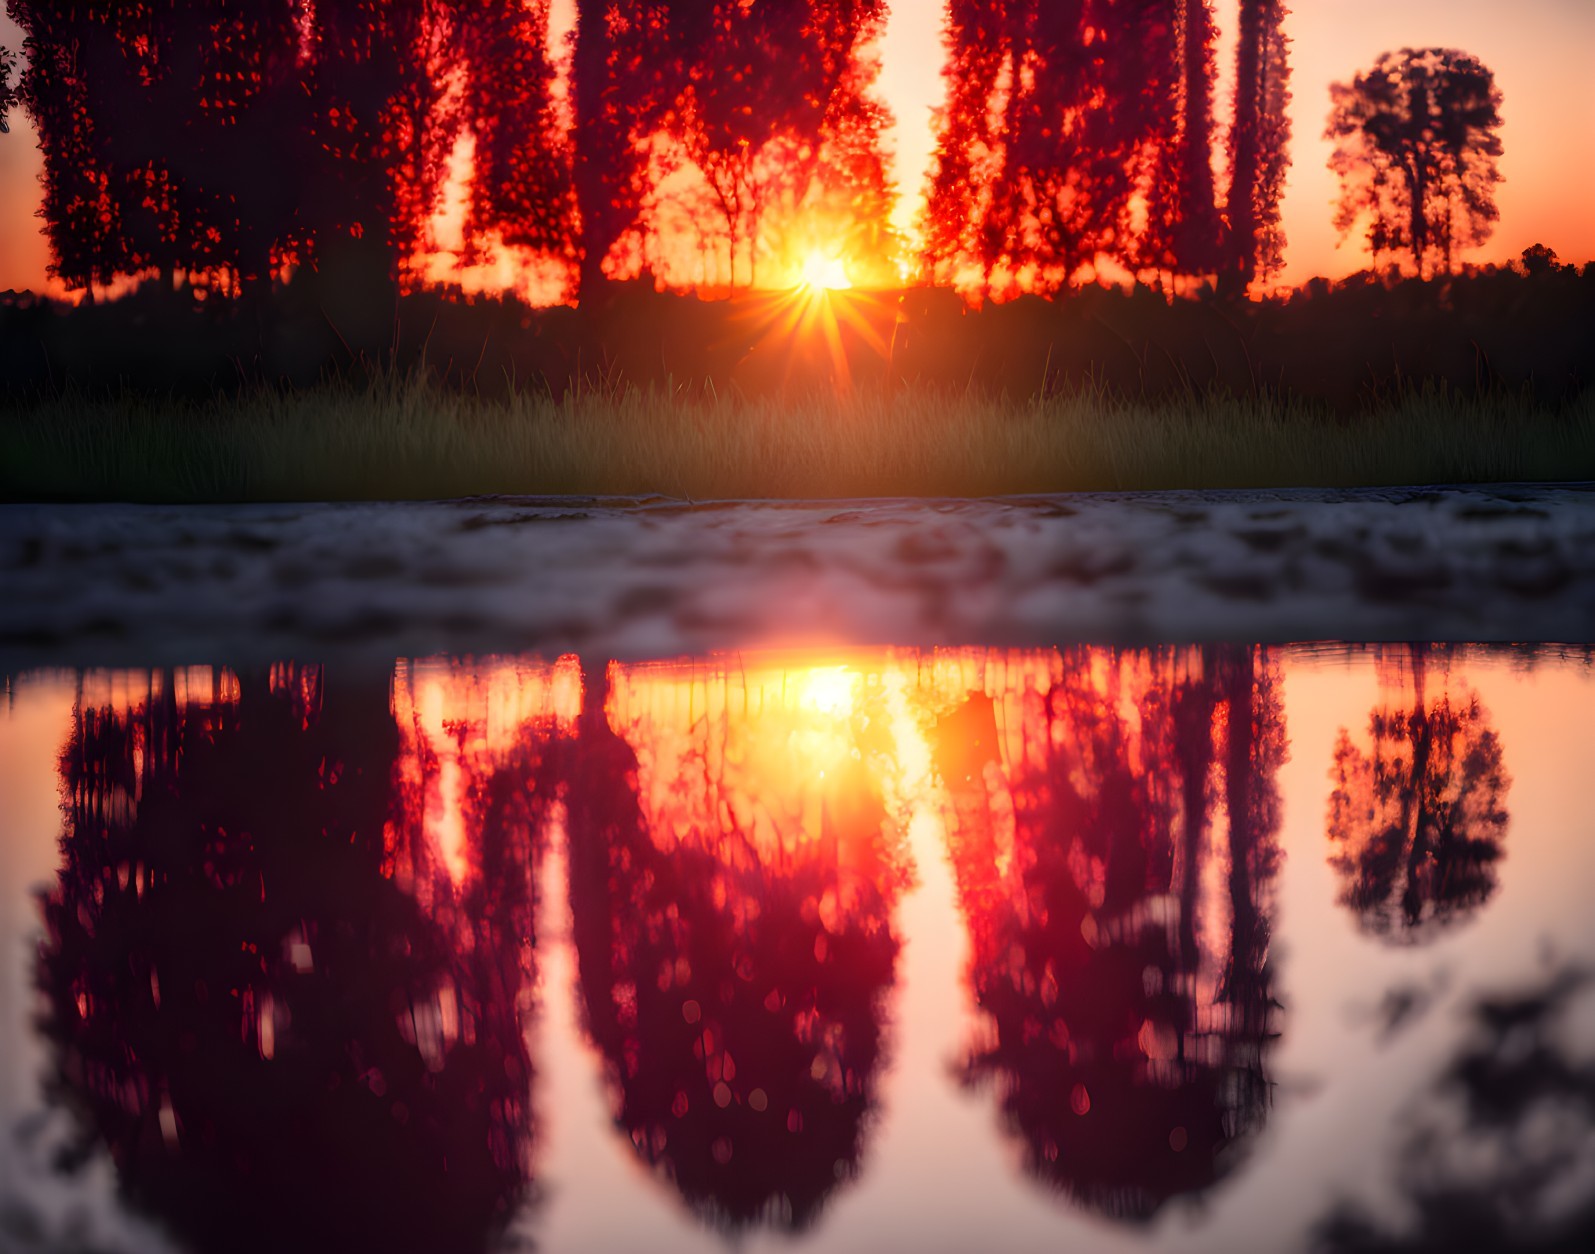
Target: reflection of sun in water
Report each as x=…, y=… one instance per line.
x=822, y=273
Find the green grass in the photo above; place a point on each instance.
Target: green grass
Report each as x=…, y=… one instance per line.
x=405, y=440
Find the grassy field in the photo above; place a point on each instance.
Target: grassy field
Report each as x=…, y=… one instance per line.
x=401, y=440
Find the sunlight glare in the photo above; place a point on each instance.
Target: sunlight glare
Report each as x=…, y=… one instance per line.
x=822, y=273
x=829, y=690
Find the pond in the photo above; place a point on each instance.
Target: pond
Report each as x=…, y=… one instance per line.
x=810, y=899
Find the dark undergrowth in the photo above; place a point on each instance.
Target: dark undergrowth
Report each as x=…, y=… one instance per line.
x=404, y=438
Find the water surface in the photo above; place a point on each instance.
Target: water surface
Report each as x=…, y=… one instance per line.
x=1216, y=947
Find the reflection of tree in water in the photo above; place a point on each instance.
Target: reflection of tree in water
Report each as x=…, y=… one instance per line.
x=732, y=919
x=278, y=1045
x=1119, y=932
x=1416, y=819
x=1498, y=1155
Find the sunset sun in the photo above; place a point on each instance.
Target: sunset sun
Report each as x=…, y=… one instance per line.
x=823, y=272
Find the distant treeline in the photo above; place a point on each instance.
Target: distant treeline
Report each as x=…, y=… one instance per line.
x=1347, y=344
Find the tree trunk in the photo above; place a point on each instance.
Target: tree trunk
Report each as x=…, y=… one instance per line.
x=1245, y=148
x=1198, y=197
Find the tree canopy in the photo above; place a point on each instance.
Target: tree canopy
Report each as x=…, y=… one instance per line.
x=8, y=87
x=1078, y=137
x=712, y=143
x=715, y=134
x=229, y=139
x=1417, y=140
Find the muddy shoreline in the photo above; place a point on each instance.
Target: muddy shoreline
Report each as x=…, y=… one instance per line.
x=154, y=585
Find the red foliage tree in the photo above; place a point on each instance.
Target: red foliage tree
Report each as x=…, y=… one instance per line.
x=8, y=87
x=374, y=84
x=620, y=85
x=1193, y=235
x=167, y=131
x=851, y=183
x=1081, y=133
x=229, y=137
x=65, y=45
x=521, y=178
x=235, y=133
x=770, y=102
x=1025, y=188
x=1065, y=123
x=1258, y=143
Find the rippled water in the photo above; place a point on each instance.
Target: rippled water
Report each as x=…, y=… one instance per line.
x=1220, y=947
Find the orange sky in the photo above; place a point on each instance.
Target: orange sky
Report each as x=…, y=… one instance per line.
x=1541, y=51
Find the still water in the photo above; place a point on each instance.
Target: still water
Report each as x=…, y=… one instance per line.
x=1215, y=948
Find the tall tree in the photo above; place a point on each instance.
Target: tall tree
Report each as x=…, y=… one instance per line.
x=851, y=193
x=622, y=84
x=233, y=135
x=1031, y=179
x=8, y=87
x=521, y=178
x=769, y=102
x=1074, y=133
x=228, y=136
x=1258, y=143
x=745, y=86
x=1165, y=94
x=1196, y=236
x=1417, y=141
x=168, y=133
x=374, y=85
x=65, y=46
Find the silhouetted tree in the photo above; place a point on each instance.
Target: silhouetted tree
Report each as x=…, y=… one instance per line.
x=167, y=132
x=521, y=177
x=1537, y=261
x=616, y=87
x=1258, y=143
x=279, y=1047
x=1032, y=177
x=80, y=206
x=735, y=99
x=769, y=102
x=8, y=87
x=374, y=85
x=776, y=96
x=732, y=957
x=231, y=138
x=1192, y=243
x=1127, y=989
x=1081, y=133
x=851, y=193
x=1417, y=817
x=1417, y=141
